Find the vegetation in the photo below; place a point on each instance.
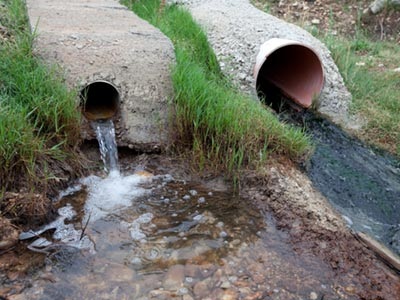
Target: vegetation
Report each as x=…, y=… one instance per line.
x=38, y=117
x=368, y=67
x=368, y=70
x=220, y=125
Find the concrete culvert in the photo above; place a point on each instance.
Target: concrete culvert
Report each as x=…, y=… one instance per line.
x=120, y=63
x=287, y=69
x=99, y=100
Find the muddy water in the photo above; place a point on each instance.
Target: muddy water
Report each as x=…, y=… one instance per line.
x=362, y=183
x=178, y=240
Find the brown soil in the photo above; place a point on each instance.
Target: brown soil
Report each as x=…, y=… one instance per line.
x=336, y=17
x=315, y=229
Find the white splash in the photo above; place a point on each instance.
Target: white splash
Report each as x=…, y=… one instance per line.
x=110, y=194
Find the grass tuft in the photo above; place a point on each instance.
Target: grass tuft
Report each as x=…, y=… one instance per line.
x=222, y=127
x=39, y=121
x=368, y=69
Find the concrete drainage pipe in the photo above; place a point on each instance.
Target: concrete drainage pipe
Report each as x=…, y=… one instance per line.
x=290, y=69
x=99, y=100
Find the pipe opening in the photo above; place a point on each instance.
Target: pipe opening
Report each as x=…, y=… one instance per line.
x=99, y=100
x=288, y=74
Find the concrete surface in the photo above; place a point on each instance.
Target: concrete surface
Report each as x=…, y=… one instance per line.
x=236, y=30
x=102, y=40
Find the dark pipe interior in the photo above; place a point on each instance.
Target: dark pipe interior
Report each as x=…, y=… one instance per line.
x=99, y=100
x=291, y=73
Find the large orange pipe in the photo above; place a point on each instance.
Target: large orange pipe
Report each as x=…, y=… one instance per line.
x=291, y=67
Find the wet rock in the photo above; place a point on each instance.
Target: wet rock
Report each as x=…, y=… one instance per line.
x=119, y=273
x=160, y=294
x=255, y=296
x=229, y=295
x=8, y=234
x=192, y=271
x=313, y=296
x=225, y=284
x=202, y=288
x=174, y=278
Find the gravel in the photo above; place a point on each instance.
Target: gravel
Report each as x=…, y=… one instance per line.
x=236, y=30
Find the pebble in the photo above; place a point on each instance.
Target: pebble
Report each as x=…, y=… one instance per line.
x=225, y=285
x=193, y=192
x=315, y=21
x=313, y=296
x=201, y=289
x=174, y=278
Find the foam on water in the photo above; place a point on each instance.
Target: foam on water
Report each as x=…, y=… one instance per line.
x=65, y=234
x=108, y=195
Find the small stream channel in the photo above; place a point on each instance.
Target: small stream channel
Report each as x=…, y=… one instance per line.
x=145, y=236
x=362, y=183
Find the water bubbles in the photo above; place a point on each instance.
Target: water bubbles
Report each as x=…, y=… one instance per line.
x=145, y=218
x=198, y=217
x=223, y=234
x=193, y=192
x=106, y=195
x=153, y=254
x=183, y=291
x=189, y=279
x=136, y=261
x=220, y=224
x=135, y=227
x=137, y=234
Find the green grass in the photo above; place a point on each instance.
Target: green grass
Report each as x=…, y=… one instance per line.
x=39, y=121
x=367, y=68
x=220, y=125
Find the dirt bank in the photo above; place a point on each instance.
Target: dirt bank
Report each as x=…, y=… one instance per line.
x=315, y=228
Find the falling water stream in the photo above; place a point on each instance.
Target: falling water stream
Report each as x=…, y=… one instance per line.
x=105, y=133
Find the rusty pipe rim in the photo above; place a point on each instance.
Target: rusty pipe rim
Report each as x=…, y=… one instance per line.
x=99, y=100
x=293, y=67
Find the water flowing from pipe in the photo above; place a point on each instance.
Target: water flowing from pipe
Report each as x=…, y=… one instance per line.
x=105, y=133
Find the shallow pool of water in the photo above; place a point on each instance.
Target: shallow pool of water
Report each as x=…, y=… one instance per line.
x=170, y=239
